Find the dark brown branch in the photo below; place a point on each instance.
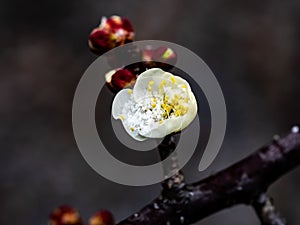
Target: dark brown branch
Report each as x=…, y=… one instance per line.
x=239, y=184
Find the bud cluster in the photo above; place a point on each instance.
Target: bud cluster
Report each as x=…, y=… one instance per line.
x=117, y=31
x=67, y=215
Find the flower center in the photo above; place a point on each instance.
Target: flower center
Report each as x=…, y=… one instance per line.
x=168, y=100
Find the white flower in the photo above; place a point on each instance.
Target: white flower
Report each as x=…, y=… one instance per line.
x=159, y=104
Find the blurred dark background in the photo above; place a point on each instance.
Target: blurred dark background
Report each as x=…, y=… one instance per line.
x=251, y=46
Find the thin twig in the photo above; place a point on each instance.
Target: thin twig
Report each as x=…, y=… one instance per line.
x=266, y=211
x=175, y=183
x=238, y=184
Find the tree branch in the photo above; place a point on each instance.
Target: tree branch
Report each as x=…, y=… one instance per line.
x=241, y=183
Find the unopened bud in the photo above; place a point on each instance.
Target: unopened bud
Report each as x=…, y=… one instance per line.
x=65, y=215
x=102, y=217
x=162, y=57
x=112, y=32
x=120, y=79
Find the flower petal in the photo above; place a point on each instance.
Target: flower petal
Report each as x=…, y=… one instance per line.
x=121, y=98
x=140, y=89
x=118, y=104
x=156, y=75
x=192, y=112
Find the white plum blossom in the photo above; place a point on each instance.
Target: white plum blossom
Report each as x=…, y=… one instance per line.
x=159, y=104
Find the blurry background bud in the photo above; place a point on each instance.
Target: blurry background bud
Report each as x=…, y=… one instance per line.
x=102, y=217
x=65, y=215
x=112, y=32
x=124, y=56
x=162, y=57
x=119, y=79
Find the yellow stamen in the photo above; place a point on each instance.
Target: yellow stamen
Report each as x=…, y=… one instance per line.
x=151, y=82
x=162, y=84
x=132, y=128
x=121, y=117
x=175, y=99
x=166, y=98
x=186, y=109
x=166, y=107
x=129, y=91
x=173, y=79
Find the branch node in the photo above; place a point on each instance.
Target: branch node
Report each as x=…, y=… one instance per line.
x=295, y=129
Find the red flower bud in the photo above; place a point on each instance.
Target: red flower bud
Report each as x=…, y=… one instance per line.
x=112, y=32
x=162, y=57
x=119, y=79
x=102, y=217
x=65, y=215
